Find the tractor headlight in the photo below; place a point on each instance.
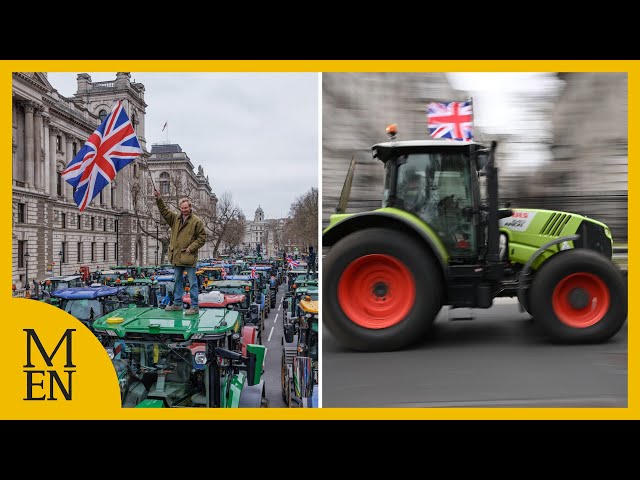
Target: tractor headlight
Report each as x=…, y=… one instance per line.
x=111, y=353
x=308, y=315
x=201, y=358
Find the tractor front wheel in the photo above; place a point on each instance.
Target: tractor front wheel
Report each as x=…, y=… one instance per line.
x=579, y=296
x=383, y=290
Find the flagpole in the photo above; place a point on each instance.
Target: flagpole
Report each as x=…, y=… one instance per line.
x=472, y=119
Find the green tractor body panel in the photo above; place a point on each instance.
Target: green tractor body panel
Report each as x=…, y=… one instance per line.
x=529, y=229
x=260, y=352
x=208, y=321
x=340, y=225
x=233, y=386
x=150, y=403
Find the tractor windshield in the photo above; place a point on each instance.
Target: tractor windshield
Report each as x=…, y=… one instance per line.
x=84, y=309
x=435, y=186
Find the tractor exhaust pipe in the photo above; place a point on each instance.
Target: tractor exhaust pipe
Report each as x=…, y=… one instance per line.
x=493, y=249
x=346, y=188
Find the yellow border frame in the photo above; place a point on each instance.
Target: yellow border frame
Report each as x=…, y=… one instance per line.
x=11, y=405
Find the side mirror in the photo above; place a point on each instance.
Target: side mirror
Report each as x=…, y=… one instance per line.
x=256, y=354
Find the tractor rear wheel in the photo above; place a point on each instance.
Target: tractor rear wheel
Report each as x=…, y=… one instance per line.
x=383, y=290
x=579, y=296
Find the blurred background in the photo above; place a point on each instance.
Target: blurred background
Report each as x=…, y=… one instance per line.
x=562, y=137
x=562, y=145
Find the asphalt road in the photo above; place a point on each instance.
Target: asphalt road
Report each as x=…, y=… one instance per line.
x=494, y=360
x=272, y=338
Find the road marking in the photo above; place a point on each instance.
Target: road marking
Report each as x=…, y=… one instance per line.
x=270, y=333
x=276, y=319
x=279, y=305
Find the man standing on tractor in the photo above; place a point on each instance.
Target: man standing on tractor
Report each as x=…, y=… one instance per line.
x=187, y=237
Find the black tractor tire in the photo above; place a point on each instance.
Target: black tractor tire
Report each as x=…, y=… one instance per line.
x=598, y=308
x=417, y=268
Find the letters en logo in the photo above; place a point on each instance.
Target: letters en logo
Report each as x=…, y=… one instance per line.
x=41, y=380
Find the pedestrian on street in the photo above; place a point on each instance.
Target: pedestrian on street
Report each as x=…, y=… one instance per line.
x=187, y=237
x=311, y=261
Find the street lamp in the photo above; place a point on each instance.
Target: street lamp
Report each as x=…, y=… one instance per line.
x=26, y=271
x=61, y=254
x=157, y=240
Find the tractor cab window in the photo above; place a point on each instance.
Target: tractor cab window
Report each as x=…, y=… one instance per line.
x=436, y=187
x=84, y=309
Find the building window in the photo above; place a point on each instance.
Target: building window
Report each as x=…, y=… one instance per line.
x=102, y=197
x=79, y=222
x=93, y=251
x=63, y=220
x=79, y=252
x=104, y=225
x=115, y=224
x=22, y=213
x=135, y=171
x=59, y=175
x=164, y=183
x=21, y=250
x=113, y=195
x=63, y=249
x=75, y=149
x=58, y=143
x=105, y=257
x=93, y=223
x=102, y=115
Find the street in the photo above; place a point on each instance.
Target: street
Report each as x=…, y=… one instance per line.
x=494, y=360
x=272, y=339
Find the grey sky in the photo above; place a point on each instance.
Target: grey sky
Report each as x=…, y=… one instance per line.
x=255, y=134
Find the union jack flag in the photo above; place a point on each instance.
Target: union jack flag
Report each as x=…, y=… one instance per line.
x=110, y=148
x=292, y=262
x=450, y=120
x=254, y=274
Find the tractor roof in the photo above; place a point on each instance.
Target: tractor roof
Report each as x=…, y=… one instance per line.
x=383, y=151
x=84, y=292
x=156, y=321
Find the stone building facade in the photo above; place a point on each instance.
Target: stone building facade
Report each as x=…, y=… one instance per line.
x=266, y=232
x=50, y=235
x=173, y=176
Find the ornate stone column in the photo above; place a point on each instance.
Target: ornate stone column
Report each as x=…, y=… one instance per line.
x=68, y=155
x=53, y=178
x=37, y=147
x=46, y=179
x=29, y=160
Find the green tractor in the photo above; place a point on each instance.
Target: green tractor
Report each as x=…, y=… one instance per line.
x=299, y=359
x=167, y=360
x=441, y=238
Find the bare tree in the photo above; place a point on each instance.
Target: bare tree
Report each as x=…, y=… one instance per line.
x=235, y=232
x=301, y=227
x=223, y=224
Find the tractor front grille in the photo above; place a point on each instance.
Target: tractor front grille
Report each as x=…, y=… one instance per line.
x=592, y=237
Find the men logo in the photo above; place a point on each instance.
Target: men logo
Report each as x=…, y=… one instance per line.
x=36, y=376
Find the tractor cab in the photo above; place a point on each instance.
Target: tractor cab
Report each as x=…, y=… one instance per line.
x=87, y=303
x=437, y=181
x=166, y=360
x=299, y=361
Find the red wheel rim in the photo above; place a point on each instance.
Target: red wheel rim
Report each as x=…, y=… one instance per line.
x=594, y=294
x=376, y=291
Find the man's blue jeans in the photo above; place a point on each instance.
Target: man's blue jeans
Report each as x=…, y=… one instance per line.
x=193, y=285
